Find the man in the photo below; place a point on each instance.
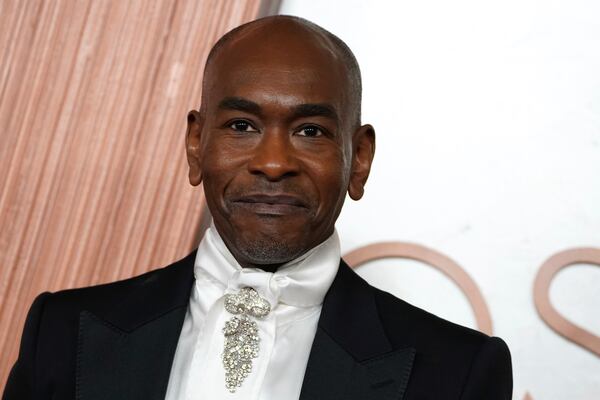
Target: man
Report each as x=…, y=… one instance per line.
x=265, y=309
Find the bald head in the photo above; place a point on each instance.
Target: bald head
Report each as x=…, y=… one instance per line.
x=284, y=34
x=278, y=143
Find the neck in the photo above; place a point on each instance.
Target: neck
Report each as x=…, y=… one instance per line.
x=265, y=267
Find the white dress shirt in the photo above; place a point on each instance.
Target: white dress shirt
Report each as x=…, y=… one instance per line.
x=295, y=292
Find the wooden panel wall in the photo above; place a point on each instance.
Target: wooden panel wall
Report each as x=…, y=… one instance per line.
x=93, y=102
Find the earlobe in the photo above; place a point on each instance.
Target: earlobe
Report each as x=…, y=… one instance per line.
x=193, y=147
x=363, y=143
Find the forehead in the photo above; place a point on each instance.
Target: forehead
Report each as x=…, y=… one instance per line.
x=283, y=69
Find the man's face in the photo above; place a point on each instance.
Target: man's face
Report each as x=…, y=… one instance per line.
x=275, y=149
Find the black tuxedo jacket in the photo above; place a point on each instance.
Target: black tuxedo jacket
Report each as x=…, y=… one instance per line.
x=117, y=341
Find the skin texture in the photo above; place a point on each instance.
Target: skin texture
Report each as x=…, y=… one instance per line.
x=276, y=142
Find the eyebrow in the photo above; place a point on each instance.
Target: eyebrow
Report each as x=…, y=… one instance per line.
x=240, y=104
x=315, y=110
x=299, y=111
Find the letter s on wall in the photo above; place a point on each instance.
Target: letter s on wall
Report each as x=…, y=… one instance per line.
x=541, y=296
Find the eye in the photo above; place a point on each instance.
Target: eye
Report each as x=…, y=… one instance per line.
x=241, y=125
x=310, y=131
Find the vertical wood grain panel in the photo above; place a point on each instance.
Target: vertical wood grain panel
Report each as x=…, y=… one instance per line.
x=93, y=103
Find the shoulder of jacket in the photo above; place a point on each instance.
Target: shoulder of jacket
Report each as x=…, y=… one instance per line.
x=116, y=291
x=402, y=318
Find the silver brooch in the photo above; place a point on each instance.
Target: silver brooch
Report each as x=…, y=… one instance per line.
x=241, y=335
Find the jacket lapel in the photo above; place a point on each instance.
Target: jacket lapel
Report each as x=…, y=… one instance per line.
x=126, y=348
x=351, y=357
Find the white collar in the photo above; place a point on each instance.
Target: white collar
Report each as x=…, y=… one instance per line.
x=302, y=282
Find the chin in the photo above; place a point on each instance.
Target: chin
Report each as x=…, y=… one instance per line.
x=267, y=249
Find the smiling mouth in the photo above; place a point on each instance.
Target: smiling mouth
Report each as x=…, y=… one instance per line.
x=270, y=204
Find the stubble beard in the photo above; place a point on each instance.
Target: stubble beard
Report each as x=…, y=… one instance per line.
x=268, y=251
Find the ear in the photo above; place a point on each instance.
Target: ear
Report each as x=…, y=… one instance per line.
x=193, y=146
x=363, y=151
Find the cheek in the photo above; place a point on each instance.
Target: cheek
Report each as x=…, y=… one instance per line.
x=223, y=157
x=329, y=174
x=220, y=164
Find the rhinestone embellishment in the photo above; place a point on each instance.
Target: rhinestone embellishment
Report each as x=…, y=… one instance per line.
x=241, y=335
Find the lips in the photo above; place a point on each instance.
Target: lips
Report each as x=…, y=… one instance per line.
x=268, y=204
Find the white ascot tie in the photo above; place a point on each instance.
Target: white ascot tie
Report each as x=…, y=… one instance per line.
x=284, y=335
x=302, y=282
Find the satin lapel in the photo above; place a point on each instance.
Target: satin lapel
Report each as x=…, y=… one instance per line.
x=126, y=349
x=116, y=365
x=351, y=357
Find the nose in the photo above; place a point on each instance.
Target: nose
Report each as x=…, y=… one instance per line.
x=274, y=156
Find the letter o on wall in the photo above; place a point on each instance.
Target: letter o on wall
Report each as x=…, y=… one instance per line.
x=435, y=259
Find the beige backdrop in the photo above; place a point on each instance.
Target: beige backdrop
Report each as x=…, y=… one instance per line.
x=93, y=102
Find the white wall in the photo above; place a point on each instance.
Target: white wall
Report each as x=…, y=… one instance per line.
x=488, y=150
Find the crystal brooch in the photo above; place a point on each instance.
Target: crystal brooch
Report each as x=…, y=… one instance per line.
x=241, y=335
